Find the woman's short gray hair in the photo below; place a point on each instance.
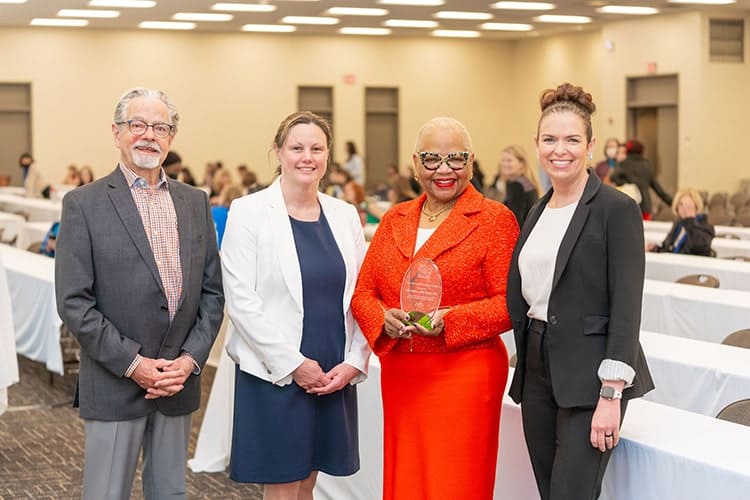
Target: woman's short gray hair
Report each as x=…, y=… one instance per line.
x=122, y=104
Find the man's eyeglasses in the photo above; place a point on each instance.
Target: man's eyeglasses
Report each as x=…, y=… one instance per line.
x=139, y=127
x=455, y=161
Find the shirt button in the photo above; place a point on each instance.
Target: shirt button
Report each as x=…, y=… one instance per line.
x=552, y=320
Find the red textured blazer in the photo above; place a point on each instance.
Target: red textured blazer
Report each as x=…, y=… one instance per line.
x=472, y=248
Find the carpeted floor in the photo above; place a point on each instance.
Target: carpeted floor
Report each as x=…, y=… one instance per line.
x=41, y=443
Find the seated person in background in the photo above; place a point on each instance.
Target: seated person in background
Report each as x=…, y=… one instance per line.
x=250, y=181
x=337, y=179
x=220, y=212
x=186, y=176
x=172, y=164
x=50, y=239
x=86, y=175
x=691, y=233
x=72, y=177
x=221, y=179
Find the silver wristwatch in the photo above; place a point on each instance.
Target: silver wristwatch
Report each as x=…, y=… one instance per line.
x=610, y=393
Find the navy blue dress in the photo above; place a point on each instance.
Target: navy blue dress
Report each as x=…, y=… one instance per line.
x=282, y=434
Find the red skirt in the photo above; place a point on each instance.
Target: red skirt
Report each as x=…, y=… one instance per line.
x=441, y=415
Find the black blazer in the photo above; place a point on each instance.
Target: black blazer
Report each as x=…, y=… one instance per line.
x=594, y=309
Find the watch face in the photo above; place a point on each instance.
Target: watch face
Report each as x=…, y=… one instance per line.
x=607, y=392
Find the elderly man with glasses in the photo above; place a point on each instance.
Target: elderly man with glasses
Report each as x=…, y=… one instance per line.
x=139, y=284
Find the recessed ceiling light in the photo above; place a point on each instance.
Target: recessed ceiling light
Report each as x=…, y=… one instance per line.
x=244, y=7
x=309, y=20
x=202, y=16
x=506, y=26
x=269, y=28
x=365, y=31
x=704, y=2
x=410, y=23
x=550, y=18
x=125, y=4
x=166, y=25
x=523, y=6
x=355, y=11
x=627, y=9
x=463, y=15
x=424, y=3
x=456, y=33
x=68, y=23
x=13, y=1
x=101, y=14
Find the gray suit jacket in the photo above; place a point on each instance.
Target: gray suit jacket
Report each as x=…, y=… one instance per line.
x=110, y=295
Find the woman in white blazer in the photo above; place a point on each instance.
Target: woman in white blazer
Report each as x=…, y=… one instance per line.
x=290, y=258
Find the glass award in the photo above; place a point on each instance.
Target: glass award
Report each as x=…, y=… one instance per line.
x=421, y=290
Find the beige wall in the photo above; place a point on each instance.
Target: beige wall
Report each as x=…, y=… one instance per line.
x=233, y=89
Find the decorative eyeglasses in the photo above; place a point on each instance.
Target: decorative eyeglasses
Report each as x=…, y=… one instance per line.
x=139, y=127
x=455, y=161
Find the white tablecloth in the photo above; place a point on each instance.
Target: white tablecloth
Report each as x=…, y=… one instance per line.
x=722, y=246
x=32, y=232
x=37, y=208
x=8, y=361
x=694, y=312
x=671, y=267
x=31, y=280
x=664, y=227
x=696, y=376
x=11, y=224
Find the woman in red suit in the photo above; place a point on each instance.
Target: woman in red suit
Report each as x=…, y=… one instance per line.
x=442, y=389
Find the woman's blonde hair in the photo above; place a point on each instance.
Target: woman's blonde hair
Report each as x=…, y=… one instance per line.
x=693, y=194
x=528, y=172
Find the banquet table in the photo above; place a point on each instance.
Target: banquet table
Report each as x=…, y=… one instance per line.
x=664, y=453
x=32, y=232
x=8, y=361
x=694, y=312
x=722, y=246
x=11, y=225
x=38, y=209
x=696, y=376
x=31, y=280
x=13, y=190
x=732, y=274
x=664, y=227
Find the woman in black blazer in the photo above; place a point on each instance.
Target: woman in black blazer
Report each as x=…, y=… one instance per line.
x=574, y=296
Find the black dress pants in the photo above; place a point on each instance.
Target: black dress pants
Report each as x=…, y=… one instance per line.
x=566, y=466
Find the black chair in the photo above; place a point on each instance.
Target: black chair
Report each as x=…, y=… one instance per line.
x=705, y=280
x=740, y=338
x=728, y=236
x=737, y=412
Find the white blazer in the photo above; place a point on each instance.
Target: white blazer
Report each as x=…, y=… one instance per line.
x=263, y=284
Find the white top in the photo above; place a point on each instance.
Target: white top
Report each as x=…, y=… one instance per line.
x=356, y=167
x=536, y=262
x=422, y=236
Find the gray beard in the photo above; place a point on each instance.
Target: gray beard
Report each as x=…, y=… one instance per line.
x=147, y=162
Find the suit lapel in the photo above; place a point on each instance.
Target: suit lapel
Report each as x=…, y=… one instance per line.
x=185, y=232
x=405, y=230
x=456, y=227
x=285, y=246
x=122, y=200
x=575, y=227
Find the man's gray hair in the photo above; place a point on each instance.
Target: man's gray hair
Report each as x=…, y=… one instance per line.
x=122, y=104
x=443, y=122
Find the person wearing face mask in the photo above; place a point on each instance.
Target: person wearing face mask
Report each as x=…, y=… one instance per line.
x=604, y=167
x=138, y=283
x=33, y=182
x=691, y=233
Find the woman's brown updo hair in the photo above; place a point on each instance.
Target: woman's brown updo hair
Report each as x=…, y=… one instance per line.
x=568, y=97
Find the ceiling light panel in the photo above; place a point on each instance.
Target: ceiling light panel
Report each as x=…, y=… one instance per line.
x=124, y=4
x=632, y=10
x=13, y=1
x=456, y=33
x=463, y=15
x=166, y=25
x=365, y=31
x=422, y=3
x=523, y=6
x=704, y=2
x=203, y=17
x=355, y=11
x=549, y=18
x=309, y=20
x=269, y=28
x=98, y=14
x=244, y=7
x=63, y=23
x=506, y=27
x=410, y=23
